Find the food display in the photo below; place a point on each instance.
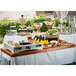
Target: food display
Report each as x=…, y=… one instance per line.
x=52, y=32
x=41, y=39
x=36, y=33
x=35, y=40
x=29, y=37
x=49, y=24
x=16, y=44
x=54, y=43
x=23, y=45
x=48, y=43
x=13, y=43
x=23, y=34
x=23, y=42
x=33, y=43
x=29, y=28
x=38, y=26
x=63, y=42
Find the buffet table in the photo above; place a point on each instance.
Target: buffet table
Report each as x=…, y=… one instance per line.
x=61, y=54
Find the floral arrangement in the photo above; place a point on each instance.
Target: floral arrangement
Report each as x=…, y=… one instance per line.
x=56, y=24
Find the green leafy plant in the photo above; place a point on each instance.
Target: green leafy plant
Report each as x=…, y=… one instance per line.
x=66, y=21
x=41, y=18
x=5, y=25
x=28, y=22
x=3, y=28
x=42, y=15
x=1, y=40
x=44, y=28
x=56, y=24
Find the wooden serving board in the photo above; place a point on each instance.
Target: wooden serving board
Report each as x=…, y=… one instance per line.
x=53, y=36
x=60, y=47
x=24, y=35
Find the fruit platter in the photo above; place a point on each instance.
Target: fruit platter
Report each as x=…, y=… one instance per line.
x=49, y=23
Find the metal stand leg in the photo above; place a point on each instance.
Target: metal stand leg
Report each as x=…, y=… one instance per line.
x=1, y=57
x=12, y=61
x=74, y=54
x=35, y=59
x=9, y=62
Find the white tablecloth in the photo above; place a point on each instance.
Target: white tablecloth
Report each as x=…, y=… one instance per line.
x=68, y=38
x=57, y=57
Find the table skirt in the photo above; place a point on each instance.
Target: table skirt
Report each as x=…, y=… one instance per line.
x=57, y=57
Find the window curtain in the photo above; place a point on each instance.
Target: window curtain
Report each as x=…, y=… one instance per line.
x=61, y=14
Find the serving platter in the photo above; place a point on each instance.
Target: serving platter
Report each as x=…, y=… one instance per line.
x=23, y=47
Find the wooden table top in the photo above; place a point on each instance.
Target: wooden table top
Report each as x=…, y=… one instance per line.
x=59, y=47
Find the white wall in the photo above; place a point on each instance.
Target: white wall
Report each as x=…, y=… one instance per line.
x=16, y=14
